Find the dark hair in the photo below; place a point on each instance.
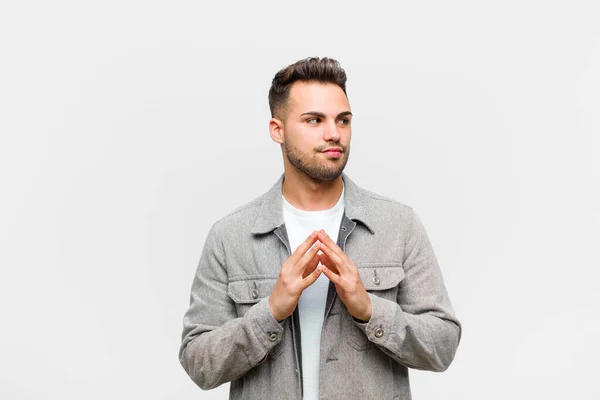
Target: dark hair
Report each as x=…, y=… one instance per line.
x=312, y=69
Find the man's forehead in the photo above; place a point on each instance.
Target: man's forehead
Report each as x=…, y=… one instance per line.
x=317, y=96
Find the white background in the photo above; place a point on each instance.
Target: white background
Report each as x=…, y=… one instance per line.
x=128, y=128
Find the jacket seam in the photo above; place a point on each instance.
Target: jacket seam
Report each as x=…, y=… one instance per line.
x=238, y=278
x=409, y=232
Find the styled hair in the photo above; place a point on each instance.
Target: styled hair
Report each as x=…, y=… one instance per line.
x=311, y=69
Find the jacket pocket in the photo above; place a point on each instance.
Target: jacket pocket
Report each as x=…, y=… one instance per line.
x=379, y=279
x=246, y=292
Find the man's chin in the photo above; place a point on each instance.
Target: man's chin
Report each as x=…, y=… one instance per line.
x=325, y=177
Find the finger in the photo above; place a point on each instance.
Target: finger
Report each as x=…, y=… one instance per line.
x=334, y=257
x=310, y=267
x=326, y=261
x=307, y=258
x=327, y=240
x=333, y=277
x=304, y=246
x=311, y=278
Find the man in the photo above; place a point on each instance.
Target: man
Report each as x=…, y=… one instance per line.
x=318, y=289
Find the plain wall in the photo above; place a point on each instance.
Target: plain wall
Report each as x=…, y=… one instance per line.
x=129, y=127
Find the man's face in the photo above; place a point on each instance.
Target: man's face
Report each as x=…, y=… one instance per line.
x=318, y=120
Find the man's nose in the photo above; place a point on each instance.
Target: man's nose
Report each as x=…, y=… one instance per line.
x=331, y=132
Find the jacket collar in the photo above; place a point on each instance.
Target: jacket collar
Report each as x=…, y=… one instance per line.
x=270, y=216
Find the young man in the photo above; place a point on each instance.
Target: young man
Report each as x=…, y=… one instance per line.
x=318, y=289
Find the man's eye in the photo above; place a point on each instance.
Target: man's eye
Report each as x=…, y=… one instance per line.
x=313, y=120
x=344, y=121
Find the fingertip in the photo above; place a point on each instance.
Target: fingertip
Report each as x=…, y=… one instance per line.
x=315, y=275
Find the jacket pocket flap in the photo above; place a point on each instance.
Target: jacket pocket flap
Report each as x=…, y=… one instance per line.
x=380, y=276
x=248, y=291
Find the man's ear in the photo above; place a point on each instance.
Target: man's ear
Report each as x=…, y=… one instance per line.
x=276, y=130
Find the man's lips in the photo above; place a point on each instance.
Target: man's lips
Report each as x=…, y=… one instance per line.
x=334, y=152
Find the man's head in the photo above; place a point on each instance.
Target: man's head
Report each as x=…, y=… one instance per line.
x=310, y=115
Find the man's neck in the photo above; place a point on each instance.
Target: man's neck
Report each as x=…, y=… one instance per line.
x=308, y=195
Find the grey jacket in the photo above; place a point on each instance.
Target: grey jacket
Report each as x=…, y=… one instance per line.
x=230, y=335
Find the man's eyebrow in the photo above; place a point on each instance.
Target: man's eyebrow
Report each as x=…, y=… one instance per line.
x=321, y=115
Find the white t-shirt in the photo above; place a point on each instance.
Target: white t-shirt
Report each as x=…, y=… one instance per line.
x=311, y=306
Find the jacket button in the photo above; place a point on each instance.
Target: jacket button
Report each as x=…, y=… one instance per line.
x=273, y=337
x=255, y=294
x=376, y=280
x=378, y=332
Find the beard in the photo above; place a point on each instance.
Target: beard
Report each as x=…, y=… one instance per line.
x=316, y=169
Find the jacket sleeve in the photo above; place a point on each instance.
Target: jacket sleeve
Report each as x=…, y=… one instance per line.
x=419, y=329
x=218, y=346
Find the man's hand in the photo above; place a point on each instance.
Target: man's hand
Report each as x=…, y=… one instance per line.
x=297, y=273
x=343, y=273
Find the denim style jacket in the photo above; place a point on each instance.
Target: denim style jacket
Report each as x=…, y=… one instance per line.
x=229, y=334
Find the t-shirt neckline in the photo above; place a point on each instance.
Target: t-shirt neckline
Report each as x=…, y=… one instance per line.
x=315, y=214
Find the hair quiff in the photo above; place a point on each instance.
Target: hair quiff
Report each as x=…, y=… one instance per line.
x=312, y=69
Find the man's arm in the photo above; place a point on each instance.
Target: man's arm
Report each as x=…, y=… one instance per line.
x=420, y=330
x=217, y=346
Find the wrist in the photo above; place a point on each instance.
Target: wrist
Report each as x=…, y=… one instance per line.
x=365, y=315
x=272, y=309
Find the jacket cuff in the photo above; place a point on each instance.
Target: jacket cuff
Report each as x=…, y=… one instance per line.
x=266, y=328
x=381, y=324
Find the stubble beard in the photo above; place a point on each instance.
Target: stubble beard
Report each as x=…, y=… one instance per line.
x=315, y=169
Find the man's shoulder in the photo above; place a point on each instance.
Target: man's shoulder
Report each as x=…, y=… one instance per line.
x=386, y=213
x=242, y=217
x=383, y=204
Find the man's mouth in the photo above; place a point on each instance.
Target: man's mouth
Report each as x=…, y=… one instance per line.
x=334, y=152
